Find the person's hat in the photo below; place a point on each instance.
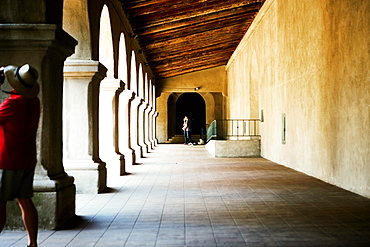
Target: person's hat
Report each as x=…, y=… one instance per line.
x=23, y=79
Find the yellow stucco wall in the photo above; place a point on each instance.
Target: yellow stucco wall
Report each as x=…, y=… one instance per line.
x=208, y=80
x=309, y=60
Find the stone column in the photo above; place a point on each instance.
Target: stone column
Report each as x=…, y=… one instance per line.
x=124, y=142
x=108, y=120
x=45, y=47
x=142, y=127
x=150, y=115
x=151, y=120
x=147, y=128
x=155, y=139
x=80, y=125
x=134, y=125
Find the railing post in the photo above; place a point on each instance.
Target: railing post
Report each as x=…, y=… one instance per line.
x=226, y=128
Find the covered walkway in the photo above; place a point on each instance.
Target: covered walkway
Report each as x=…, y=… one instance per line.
x=182, y=196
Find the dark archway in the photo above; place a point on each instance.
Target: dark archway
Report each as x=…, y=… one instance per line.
x=193, y=106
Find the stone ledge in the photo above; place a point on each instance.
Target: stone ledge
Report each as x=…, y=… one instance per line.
x=234, y=148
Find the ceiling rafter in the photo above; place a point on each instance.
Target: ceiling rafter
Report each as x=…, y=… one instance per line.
x=183, y=36
x=196, y=12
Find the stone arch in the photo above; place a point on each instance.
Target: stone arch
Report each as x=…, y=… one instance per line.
x=140, y=82
x=122, y=59
x=106, y=55
x=146, y=88
x=76, y=23
x=210, y=108
x=133, y=73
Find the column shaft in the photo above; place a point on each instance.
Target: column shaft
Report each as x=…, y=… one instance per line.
x=80, y=125
x=108, y=131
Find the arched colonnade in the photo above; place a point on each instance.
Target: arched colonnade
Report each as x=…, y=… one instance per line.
x=115, y=87
x=97, y=97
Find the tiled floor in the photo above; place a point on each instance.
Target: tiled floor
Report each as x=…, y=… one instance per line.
x=181, y=196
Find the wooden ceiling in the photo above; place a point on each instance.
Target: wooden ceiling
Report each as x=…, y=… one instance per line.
x=183, y=36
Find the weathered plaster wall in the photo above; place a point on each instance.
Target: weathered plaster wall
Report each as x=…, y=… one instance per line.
x=311, y=61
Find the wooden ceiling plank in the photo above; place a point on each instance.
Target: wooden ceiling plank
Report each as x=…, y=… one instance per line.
x=168, y=54
x=183, y=36
x=191, y=60
x=194, y=39
x=196, y=25
x=143, y=25
x=234, y=28
x=182, y=70
x=174, y=12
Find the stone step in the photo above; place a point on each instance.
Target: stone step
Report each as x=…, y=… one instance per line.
x=180, y=139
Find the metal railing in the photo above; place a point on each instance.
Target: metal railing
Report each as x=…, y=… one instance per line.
x=234, y=129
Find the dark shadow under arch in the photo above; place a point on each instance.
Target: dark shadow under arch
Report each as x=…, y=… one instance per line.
x=193, y=106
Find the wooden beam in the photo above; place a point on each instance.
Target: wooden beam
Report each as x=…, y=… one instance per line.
x=182, y=36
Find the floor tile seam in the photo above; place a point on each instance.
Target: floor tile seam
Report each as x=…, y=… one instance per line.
x=230, y=214
x=91, y=220
x=72, y=237
x=187, y=223
x=246, y=202
x=316, y=208
x=329, y=233
x=295, y=229
x=300, y=213
x=342, y=226
x=19, y=239
x=143, y=205
x=273, y=192
x=165, y=203
x=209, y=217
x=265, y=227
x=87, y=203
x=97, y=195
x=347, y=213
x=136, y=218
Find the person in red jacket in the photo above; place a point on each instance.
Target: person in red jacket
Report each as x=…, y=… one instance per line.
x=19, y=120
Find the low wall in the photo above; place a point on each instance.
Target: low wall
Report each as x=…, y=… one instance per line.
x=234, y=148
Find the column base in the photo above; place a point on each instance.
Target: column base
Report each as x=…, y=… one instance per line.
x=55, y=202
x=152, y=144
x=130, y=158
x=144, y=148
x=138, y=152
x=148, y=146
x=90, y=177
x=116, y=165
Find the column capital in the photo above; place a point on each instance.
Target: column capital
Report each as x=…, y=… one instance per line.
x=128, y=94
x=138, y=101
x=84, y=68
x=112, y=84
x=37, y=37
